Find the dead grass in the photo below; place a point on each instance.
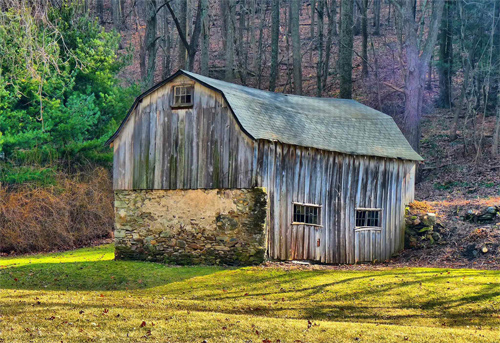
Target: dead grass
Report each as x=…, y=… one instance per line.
x=70, y=214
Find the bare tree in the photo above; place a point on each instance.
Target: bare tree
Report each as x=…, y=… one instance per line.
x=205, y=38
x=445, y=64
x=231, y=8
x=364, y=35
x=417, y=55
x=346, y=46
x=376, y=16
x=192, y=46
x=295, y=33
x=275, y=36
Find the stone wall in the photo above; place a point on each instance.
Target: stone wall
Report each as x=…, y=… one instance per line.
x=191, y=226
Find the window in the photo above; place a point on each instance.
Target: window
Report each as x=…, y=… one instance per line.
x=368, y=218
x=183, y=96
x=306, y=214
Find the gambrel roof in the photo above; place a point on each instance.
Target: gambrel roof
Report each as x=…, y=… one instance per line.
x=340, y=125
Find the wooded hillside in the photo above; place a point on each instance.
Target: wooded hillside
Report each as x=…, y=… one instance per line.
x=70, y=69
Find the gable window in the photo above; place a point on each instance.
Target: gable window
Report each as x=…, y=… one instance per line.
x=183, y=96
x=306, y=214
x=368, y=217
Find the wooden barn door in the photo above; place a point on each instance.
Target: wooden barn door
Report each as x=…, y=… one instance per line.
x=368, y=245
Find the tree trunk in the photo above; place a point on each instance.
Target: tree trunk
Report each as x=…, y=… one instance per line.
x=182, y=17
x=346, y=46
x=116, y=7
x=99, y=4
x=332, y=23
x=275, y=36
x=313, y=36
x=258, y=61
x=376, y=17
x=356, y=30
x=242, y=67
x=150, y=41
x=494, y=92
x=295, y=33
x=416, y=66
x=205, y=38
x=364, y=43
x=445, y=65
x=166, y=45
x=229, y=76
x=319, y=64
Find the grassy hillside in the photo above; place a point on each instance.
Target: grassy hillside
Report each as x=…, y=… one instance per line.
x=84, y=295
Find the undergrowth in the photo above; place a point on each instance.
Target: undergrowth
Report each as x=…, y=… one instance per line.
x=67, y=212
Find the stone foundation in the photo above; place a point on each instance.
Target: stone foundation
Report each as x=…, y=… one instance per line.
x=191, y=226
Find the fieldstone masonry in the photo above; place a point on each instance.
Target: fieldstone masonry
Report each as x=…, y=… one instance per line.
x=191, y=226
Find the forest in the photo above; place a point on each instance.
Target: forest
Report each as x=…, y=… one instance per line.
x=70, y=69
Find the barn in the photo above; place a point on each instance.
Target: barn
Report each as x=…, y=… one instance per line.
x=211, y=172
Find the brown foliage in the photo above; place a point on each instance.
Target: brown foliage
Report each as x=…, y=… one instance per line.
x=71, y=214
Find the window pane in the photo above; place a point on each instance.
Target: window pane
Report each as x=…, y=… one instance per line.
x=306, y=214
x=367, y=218
x=183, y=95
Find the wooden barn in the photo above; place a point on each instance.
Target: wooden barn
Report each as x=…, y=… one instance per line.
x=336, y=174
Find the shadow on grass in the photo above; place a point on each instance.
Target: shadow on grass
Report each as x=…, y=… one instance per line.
x=97, y=276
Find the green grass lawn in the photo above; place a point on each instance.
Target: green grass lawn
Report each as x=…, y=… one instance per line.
x=86, y=296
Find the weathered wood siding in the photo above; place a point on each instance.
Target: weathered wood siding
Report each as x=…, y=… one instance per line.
x=199, y=147
x=204, y=147
x=340, y=184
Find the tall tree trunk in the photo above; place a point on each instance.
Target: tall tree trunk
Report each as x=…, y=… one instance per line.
x=99, y=5
x=333, y=19
x=295, y=33
x=258, y=60
x=320, y=63
x=166, y=45
x=494, y=92
x=205, y=38
x=224, y=14
x=313, y=36
x=416, y=66
x=116, y=7
x=182, y=17
x=332, y=23
x=364, y=33
x=241, y=48
x=445, y=65
x=275, y=36
x=346, y=46
x=229, y=76
x=356, y=12
x=150, y=41
x=376, y=17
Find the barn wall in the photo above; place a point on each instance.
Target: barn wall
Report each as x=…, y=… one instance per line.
x=206, y=226
x=340, y=184
x=200, y=147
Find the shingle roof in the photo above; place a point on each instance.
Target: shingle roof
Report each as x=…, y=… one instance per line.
x=339, y=125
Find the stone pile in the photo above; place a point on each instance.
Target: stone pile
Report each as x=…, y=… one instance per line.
x=422, y=230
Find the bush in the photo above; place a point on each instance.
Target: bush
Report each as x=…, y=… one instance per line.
x=73, y=213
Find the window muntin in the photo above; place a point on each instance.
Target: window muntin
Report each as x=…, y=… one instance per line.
x=368, y=218
x=183, y=96
x=306, y=214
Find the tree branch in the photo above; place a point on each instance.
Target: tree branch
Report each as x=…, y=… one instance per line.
x=182, y=35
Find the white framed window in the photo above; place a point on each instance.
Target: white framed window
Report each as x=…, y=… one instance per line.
x=368, y=217
x=308, y=214
x=182, y=96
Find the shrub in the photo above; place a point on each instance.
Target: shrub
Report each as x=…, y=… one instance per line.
x=72, y=213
